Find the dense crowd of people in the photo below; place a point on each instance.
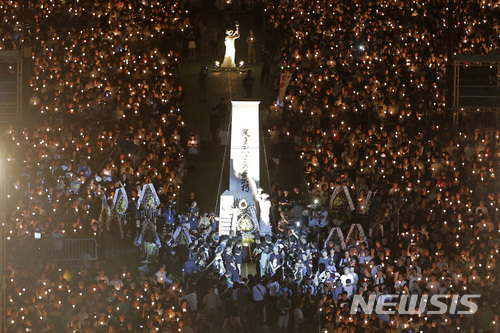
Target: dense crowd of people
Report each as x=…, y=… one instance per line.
x=107, y=109
x=365, y=109
x=106, y=87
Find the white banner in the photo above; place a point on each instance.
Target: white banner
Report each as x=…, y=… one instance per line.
x=284, y=81
x=361, y=232
x=226, y=213
x=340, y=236
x=349, y=199
x=245, y=152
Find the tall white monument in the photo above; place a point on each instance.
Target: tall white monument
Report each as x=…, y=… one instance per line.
x=245, y=152
x=244, y=174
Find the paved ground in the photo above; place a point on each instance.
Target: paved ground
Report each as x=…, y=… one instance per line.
x=206, y=179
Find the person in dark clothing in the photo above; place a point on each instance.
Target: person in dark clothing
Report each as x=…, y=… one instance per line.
x=248, y=84
x=215, y=123
x=222, y=110
x=202, y=79
x=173, y=262
x=266, y=69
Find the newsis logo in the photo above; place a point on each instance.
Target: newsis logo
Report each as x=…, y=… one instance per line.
x=414, y=304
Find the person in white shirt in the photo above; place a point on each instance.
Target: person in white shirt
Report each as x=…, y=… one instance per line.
x=474, y=278
x=400, y=283
x=102, y=277
x=42, y=281
x=482, y=208
x=323, y=217
x=364, y=257
x=374, y=268
x=161, y=276
x=313, y=219
x=273, y=287
x=433, y=286
x=414, y=276
x=116, y=282
x=345, y=276
x=258, y=294
x=349, y=274
x=457, y=275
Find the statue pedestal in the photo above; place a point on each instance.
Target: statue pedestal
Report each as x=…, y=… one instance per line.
x=228, y=63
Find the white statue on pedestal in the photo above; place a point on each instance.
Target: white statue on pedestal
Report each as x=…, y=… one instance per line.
x=231, y=35
x=265, y=207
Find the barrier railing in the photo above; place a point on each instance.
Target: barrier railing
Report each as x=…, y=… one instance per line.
x=60, y=249
x=113, y=248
